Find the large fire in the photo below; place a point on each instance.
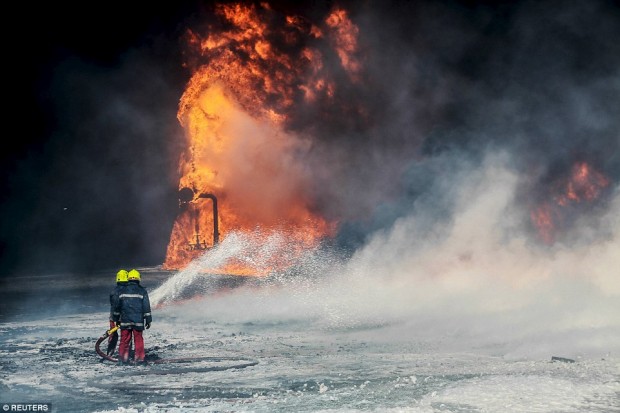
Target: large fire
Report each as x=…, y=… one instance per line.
x=584, y=184
x=249, y=72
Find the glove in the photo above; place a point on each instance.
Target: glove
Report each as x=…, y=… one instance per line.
x=147, y=326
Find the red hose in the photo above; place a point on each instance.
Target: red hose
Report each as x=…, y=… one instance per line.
x=103, y=337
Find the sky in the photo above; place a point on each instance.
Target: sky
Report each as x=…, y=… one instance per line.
x=90, y=179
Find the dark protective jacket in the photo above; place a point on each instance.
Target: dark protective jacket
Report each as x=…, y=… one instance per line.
x=115, y=315
x=134, y=306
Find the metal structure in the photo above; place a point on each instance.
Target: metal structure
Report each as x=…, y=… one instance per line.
x=187, y=196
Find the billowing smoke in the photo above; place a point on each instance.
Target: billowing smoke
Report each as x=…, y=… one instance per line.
x=470, y=117
x=474, y=282
x=538, y=82
x=384, y=87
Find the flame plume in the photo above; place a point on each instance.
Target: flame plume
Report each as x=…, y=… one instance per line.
x=584, y=185
x=250, y=72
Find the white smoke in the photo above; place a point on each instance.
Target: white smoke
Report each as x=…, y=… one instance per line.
x=472, y=282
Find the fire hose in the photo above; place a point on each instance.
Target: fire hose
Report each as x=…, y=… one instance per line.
x=107, y=334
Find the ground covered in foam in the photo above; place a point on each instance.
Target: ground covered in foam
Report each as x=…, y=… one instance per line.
x=224, y=356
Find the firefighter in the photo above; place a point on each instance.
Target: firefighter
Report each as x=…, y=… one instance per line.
x=134, y=308
x=121, y=281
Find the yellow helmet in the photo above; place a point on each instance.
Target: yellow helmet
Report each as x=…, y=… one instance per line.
x=121, y=276
x=133, y=275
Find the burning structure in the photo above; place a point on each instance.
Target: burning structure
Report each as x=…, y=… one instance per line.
x=299, y=123
x=247, y=78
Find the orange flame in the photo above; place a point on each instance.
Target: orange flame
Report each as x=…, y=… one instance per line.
x=584, y=184
x=345, y=40
x=234, y=112
x=542, y=218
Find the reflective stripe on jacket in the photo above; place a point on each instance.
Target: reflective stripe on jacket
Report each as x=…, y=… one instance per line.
x=134, y=306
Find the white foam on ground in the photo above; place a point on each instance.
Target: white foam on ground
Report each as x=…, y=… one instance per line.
x=525, y=394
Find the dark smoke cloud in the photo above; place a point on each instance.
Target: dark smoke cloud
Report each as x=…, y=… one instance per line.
x=457, y=80
x=443, y=84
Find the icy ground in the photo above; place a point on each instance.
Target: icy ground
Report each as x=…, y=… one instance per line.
x=259, y=361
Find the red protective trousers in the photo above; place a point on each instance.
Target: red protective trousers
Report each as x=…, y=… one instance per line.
x=138, y=341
